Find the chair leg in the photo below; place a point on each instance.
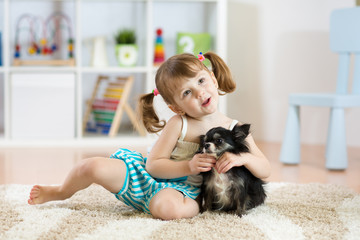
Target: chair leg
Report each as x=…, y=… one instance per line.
x=290, y=149
x=336, y=153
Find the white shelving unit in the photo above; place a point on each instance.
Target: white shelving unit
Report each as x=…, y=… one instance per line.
x=98, y=17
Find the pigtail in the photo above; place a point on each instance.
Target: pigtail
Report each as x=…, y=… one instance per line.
x=147, y=114
x=221, y=72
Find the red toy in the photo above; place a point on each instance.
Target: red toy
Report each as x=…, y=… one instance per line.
x=159, y=56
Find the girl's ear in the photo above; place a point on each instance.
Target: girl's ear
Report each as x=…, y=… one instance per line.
x=214, y=79
x=176, y=109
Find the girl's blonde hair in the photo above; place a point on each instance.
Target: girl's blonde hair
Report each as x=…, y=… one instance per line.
x=170, y=75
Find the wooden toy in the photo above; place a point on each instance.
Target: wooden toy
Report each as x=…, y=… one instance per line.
x=108, y=111
x=159, y=56
x=41, y=42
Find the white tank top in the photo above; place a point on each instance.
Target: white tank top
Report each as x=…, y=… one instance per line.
x=184, y=126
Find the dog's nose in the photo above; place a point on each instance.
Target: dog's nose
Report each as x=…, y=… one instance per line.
x=207, y=145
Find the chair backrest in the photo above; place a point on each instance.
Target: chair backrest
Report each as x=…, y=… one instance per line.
x=345, y=40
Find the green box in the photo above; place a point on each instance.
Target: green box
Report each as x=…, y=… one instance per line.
x=193, y=43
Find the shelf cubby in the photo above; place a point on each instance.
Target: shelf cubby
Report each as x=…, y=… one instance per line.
x=97, y=18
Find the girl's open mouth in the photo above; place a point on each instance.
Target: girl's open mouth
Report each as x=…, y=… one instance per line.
x=206, y=102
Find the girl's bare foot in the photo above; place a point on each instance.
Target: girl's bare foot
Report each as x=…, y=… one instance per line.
x=43, y=194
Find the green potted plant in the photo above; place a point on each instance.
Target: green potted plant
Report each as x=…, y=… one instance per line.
x=126, y=48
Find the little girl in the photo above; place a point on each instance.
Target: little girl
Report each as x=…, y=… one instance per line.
x=167, y=182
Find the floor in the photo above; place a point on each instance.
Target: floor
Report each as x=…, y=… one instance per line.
x=50, y=165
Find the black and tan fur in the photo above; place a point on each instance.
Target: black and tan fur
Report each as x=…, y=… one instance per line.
x=237, y=190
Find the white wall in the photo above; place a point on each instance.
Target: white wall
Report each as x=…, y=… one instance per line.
x=278, y=47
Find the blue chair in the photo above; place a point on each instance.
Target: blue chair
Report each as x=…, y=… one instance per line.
x=345, y=41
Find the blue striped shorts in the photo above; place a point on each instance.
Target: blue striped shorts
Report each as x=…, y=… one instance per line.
x=139, y=187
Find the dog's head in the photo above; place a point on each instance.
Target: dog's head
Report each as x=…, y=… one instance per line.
x=219, y=140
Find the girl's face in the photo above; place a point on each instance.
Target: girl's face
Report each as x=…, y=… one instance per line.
x=197, y=96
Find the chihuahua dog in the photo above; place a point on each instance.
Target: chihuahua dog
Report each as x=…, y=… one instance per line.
x=237, y=190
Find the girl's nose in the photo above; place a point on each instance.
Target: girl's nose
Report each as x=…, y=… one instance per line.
x=199, y=93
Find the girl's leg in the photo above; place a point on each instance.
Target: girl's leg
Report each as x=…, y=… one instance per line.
x=107, y=172
x=169, y=204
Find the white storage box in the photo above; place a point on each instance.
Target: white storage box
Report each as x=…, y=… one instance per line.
x=42, y=106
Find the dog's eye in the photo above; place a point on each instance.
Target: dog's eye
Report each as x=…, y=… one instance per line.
x=219, y=141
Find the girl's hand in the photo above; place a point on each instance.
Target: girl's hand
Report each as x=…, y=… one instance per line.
x=228, y=161
x=201, y=163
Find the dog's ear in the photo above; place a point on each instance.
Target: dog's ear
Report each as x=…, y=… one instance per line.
x=241, y=131
x=202, y=139
x=246, y=128
x=202, y=144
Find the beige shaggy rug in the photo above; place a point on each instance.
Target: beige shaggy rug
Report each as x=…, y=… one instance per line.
x=291, y=211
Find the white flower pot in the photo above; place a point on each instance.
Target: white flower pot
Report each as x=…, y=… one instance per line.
x=127, y=54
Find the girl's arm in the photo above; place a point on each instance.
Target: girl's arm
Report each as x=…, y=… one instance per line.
x=255, y=161
x=159, y=164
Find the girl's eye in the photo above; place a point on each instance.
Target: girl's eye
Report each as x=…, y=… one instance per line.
x=201, y=80
x=187, y=92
